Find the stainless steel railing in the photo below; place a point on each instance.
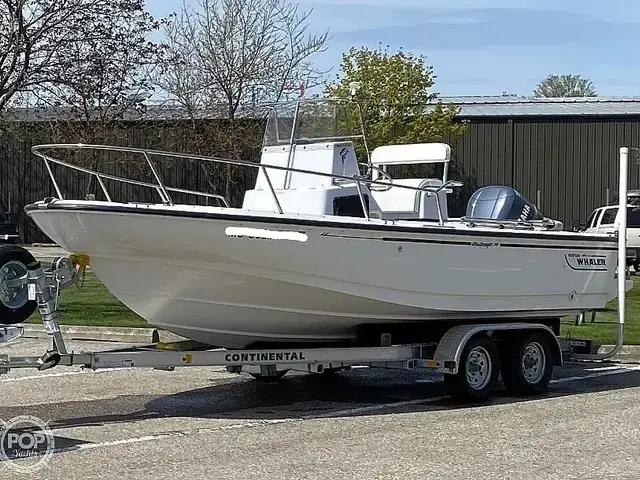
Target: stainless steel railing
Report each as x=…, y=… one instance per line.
x=164, y=191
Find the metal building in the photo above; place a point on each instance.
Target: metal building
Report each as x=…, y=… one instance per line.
x=561, y=153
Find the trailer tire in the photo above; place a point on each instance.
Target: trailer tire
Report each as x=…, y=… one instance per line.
x=478, y=371
x=15, y=306
x=527, y=364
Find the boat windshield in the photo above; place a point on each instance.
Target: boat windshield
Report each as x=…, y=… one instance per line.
x=313, y=120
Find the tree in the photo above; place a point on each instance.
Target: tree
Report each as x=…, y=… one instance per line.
x=85, y=64
x=226, y=57
x=395, y=96
x=238, y=53
x=399, y=107
x=103, y=78
x=107, y=75
x=37, y=36
x=565, y=86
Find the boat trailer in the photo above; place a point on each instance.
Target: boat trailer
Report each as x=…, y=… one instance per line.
x=471, y=356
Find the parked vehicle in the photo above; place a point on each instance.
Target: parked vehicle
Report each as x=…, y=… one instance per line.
x=9, y=231
x=605, y=220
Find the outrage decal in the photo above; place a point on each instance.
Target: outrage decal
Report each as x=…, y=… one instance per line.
x=586, y=261
x=485, y=245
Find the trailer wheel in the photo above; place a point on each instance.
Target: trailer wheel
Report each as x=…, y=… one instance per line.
x=15, y=306
x=478, y=371
x=527, y=364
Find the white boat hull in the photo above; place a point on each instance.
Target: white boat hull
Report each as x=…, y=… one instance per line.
x=187, y=270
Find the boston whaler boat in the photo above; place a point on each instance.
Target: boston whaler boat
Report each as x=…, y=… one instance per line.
x=324, y=267
x=322, y=254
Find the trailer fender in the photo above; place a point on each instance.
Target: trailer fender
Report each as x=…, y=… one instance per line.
x=452, y=344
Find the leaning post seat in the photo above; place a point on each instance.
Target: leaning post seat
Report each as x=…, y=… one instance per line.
x=402, y=203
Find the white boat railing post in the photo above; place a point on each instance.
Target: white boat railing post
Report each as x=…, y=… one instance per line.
x=365, y=210
x=440, y=216
x=104, y=188
x=166, y=198
x=273, y=192
x=622, y=258
x=292, y=138
x=53, y=179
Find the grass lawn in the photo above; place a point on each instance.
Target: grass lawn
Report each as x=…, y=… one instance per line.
x=606, y=334
x=92, y=304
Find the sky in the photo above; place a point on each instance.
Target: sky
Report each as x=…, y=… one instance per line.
x=486, y=47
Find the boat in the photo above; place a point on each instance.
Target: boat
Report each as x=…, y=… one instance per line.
x=327, y=248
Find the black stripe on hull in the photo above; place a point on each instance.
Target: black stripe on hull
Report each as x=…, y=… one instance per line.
x=599, y=244
x=470, y=243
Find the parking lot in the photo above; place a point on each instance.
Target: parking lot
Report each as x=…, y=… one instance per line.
x=206, y=423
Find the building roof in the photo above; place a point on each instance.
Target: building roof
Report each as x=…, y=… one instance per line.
x=516, y=106
x=470, y=107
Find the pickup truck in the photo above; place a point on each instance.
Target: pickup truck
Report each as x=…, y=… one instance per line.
x=9, y=231
x=605, y=220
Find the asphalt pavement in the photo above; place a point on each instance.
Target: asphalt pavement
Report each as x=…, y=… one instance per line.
x=207, y=423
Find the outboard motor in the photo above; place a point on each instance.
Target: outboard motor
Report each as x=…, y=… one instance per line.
x=498, y=202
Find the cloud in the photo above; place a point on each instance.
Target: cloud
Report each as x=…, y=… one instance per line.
x=485, y=28
x=431, y=4
x=487, y=46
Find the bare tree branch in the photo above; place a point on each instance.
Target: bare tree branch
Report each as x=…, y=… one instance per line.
x=33, y=32
x=238, y=53
x=107, y=74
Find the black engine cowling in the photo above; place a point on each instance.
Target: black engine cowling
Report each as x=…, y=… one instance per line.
x=497, y=202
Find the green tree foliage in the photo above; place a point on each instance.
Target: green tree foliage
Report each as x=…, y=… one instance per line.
x=565, y=86
x=396, y=99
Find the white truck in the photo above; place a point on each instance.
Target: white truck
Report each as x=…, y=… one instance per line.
x=606, y=220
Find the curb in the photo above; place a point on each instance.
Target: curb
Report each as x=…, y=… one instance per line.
x=628, y=353
x=107, y=334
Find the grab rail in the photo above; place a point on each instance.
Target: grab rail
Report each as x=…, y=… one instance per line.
x=163, y=190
